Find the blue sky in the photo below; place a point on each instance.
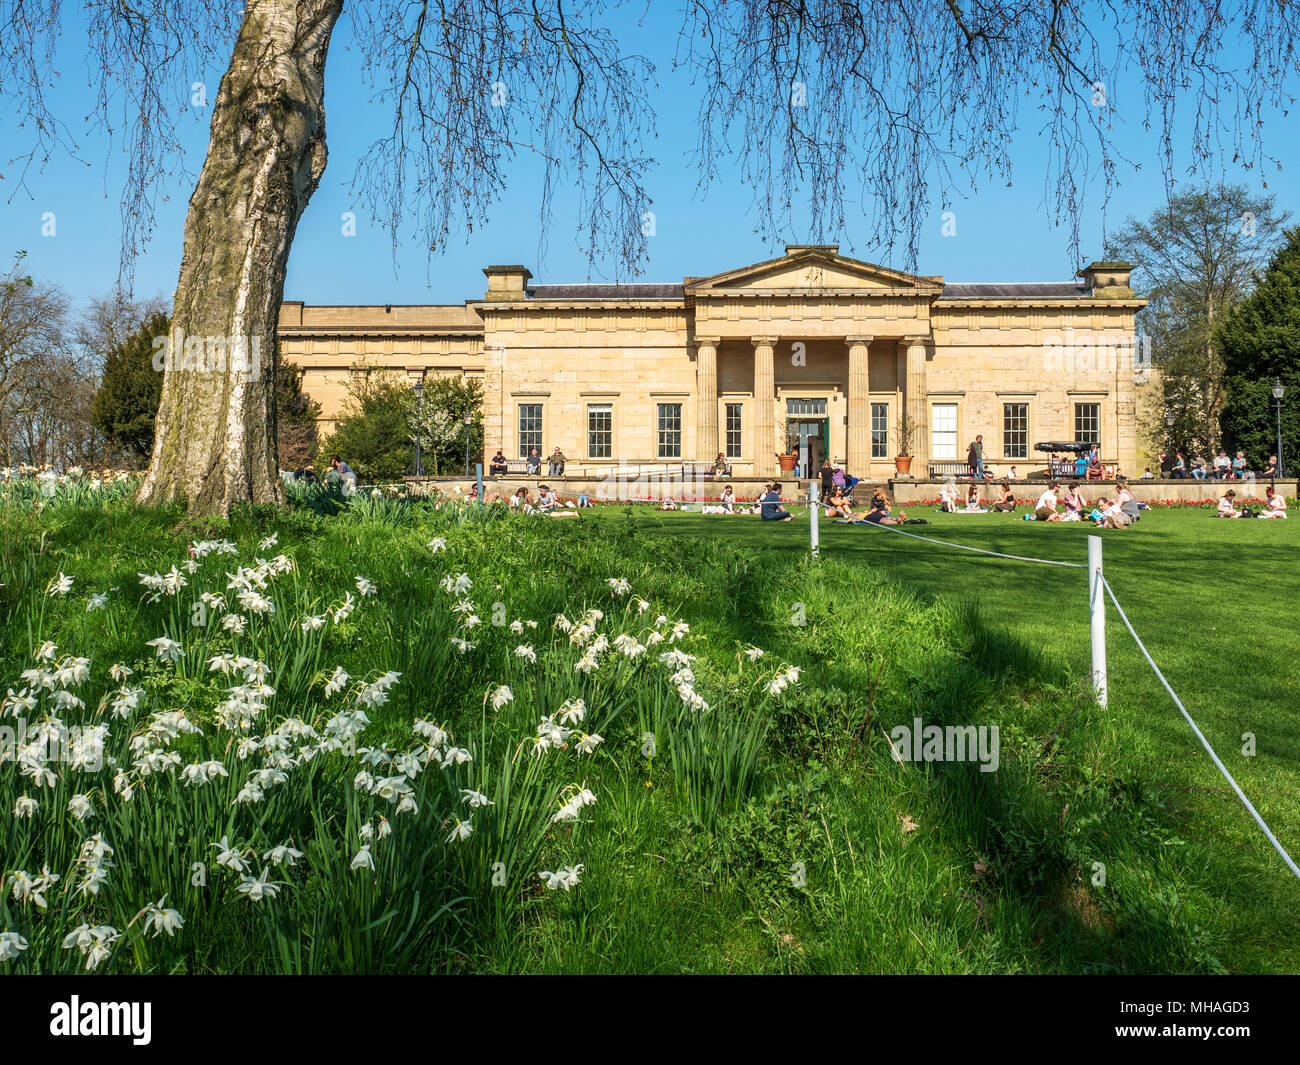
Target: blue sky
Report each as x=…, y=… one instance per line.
x=1003, y=233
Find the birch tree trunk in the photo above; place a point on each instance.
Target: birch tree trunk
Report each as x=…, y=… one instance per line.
x=214, y=445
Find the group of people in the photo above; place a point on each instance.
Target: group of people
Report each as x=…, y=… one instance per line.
x=1221, y=469
x=339, y=472
x=499, y=465
x=1274, y=506
x=1119, y=512
x=547, y=501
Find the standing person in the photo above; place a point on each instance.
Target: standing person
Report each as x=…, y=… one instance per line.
x=771, y=509
x=827, y=474
x=555, y=464
x=975, y=459
x=1166, y=464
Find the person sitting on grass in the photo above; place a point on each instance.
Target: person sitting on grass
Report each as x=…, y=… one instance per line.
x=728, y=499
x=546, y=499
x=838, y=504
x=520, y=498
x=1045, y=508
x=667, y=504
x=1006, y=499
x=948, y=497
x=1228, y=505
x=1274, y=504
x=973, y=502
x=1074, y=502
x=878, y=512
x=584, y=501
x=1110, y=516
x=771, y=505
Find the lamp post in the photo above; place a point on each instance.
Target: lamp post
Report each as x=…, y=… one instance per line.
x=469, y=420
x=419, y=425
x=1279, y=390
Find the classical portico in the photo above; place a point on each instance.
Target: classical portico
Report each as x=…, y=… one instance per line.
x=840, y=354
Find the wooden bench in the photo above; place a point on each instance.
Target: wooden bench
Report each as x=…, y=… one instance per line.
x=514, y=468
x=697, y=469
x=948, y=469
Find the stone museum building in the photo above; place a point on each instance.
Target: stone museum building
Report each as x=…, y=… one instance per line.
x=811, y=352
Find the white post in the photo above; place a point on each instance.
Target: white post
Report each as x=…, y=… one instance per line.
x=1097, y=611
x=812, y=506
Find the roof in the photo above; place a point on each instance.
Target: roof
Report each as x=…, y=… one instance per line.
x=605, y=292
x=1031, y=290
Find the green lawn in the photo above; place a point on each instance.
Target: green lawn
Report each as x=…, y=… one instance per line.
x=1215, y=603
x=768, y=833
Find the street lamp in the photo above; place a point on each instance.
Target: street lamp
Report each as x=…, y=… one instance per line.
x=469, y=420
x=419, y=425
x=1279, y=390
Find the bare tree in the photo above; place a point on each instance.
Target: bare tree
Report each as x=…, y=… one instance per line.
x=900, y=96
x=33, y=333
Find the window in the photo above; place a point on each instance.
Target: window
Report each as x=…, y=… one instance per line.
x=733, y=430
x=1087, y=423
x=1015, y=430
x=880, y=430
x=600, y=430
x=670, y=430
x=796, y=408
x=943, y=431
x=530, y=428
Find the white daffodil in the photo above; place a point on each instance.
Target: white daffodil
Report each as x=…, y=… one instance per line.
x=363, y=860
x=365, y=588
x=618, y=585
x=80, y=807
x=571, y=711
x=60, y=585
x=282, y=854
x=269, y=542
x=26, y=806
x=11, y=943
x=516, y=627
x=501, y=696
x=229, y=856
x=47, y=652
x=526, y=652
x=337, y=682
x=235, y=623
x=161, y=919
x=641, y=606
x=680, y=630
x=753, y=653
x=97, y=601
x=475, y=798
x=166, y=649
x=438, y=543
x=119, y=672
x=258, y=889
x=561, y=879
x=588, y=743
x=312, y=622
x=461, y=831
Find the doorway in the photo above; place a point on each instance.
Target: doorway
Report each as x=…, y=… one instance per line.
x=807, y=418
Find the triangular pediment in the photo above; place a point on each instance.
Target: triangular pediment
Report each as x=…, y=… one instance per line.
x=810, y=269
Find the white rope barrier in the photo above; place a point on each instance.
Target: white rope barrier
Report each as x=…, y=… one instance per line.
x=1204, y=742
x=977, y=550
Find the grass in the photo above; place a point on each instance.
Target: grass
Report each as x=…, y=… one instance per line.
x=766, y=834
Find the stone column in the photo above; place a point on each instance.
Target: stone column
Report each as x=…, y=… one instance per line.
x=916, y=405
x=859, y=457
x=706, y=397
x=764, y=435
